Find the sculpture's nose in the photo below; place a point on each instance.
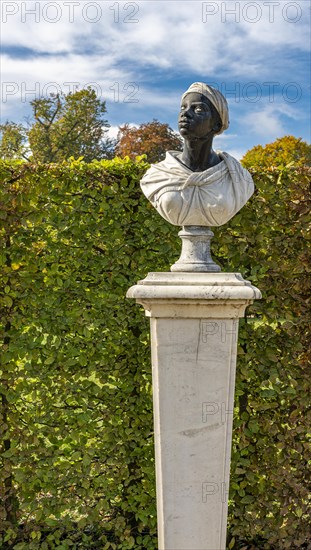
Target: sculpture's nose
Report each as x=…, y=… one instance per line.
x=185, y=114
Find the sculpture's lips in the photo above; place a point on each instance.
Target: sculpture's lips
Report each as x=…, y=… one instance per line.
x=184, y=123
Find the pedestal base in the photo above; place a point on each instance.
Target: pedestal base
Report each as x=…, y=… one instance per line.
x=196, y=251
x=194, y=328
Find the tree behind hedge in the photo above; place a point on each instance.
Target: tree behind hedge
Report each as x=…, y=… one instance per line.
x=62, y=126
x=77, y=429
x=152, y=139
x=280, y=153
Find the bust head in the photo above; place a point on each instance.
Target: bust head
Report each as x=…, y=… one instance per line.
x=203, y=114
x=198, y=117
x=199, y=186
x=205, y=103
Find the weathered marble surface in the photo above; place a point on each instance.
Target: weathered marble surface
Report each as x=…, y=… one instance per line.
x=194, y=328
x=208, y=198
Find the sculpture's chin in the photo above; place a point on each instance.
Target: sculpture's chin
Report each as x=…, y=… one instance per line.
x=184, y=131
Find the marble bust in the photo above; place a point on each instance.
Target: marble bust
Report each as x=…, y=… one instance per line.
x=199, y=186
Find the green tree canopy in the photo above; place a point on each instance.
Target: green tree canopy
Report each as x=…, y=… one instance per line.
x=63, y=126
x=13, y=143
x=280, y=153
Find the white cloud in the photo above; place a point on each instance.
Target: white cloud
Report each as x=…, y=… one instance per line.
x=167, y=34
x=269, y=122
x=22, y=80
x=228, y=143
x=266, y=123
x=236, y=153
x=169, y=38
x=114, y=130
x=282, y=24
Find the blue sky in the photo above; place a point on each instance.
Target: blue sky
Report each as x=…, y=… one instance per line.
x=141, y=56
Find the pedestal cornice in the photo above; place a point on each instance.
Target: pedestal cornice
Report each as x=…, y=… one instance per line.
x=194, y=295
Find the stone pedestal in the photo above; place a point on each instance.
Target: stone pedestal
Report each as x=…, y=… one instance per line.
x=194, y=329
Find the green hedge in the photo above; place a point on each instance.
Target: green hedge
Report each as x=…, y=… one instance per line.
x=77, y=456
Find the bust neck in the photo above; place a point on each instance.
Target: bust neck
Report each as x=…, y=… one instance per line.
x=198, y=154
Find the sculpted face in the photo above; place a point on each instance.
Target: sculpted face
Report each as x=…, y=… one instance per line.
x=197, y=117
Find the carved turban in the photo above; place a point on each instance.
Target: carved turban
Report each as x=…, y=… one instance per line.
x=216, y=98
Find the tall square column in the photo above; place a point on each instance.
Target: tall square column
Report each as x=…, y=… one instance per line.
x=194, y=330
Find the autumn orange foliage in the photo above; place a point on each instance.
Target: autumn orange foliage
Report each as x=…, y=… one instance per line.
x=152, y=139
